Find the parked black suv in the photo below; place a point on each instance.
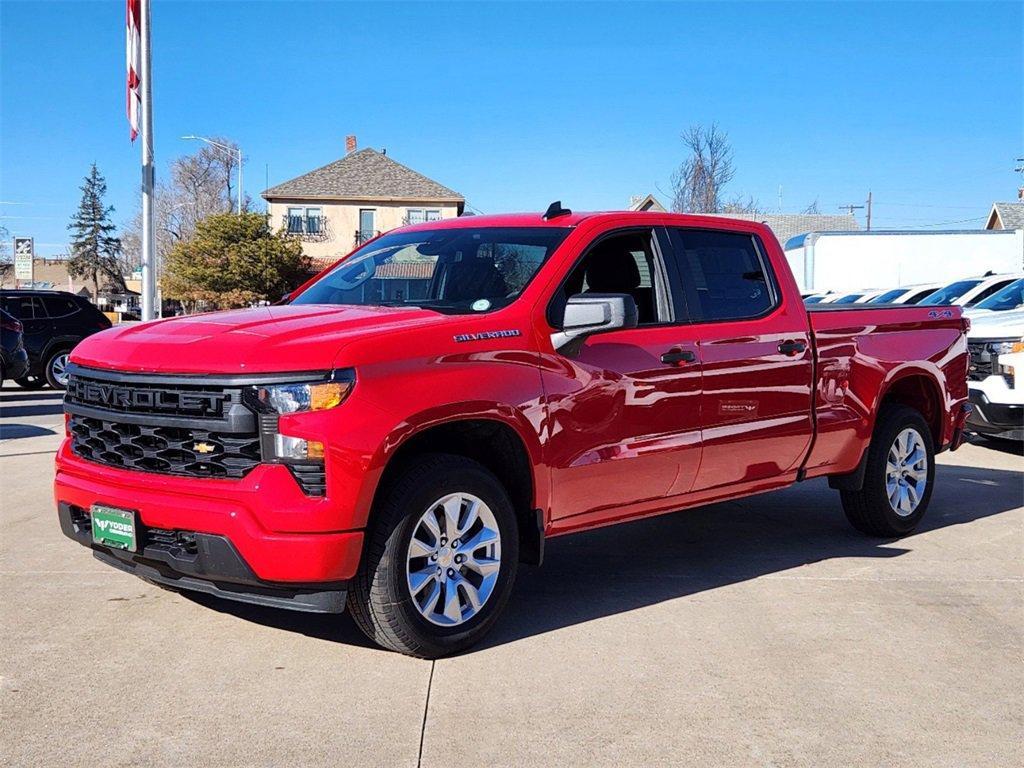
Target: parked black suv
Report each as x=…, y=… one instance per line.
x=54, y=322
x=13, y=357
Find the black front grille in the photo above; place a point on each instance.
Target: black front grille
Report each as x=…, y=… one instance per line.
x=191, y=452
x=982, y=362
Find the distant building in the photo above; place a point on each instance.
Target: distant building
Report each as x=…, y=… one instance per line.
x=1006, y=216
x=786, y=226
x=345, y=203
x=50, y=274
x=646, y=203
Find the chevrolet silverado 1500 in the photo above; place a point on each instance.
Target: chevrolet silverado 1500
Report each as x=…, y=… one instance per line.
x=412, y=424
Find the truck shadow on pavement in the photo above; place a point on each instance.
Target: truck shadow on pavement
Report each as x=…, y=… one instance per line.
x=20, y=403
x=621, y=568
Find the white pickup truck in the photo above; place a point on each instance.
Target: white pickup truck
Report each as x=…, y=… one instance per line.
x=996, y=374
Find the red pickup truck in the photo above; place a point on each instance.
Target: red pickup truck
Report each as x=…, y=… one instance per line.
x=414, y=422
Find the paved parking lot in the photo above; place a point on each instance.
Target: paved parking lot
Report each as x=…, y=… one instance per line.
x=761, y=632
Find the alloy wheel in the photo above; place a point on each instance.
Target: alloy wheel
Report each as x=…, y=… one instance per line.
x=906, y=472
x=453, y=559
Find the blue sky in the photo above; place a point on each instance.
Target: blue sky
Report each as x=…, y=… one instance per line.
x=518, y=104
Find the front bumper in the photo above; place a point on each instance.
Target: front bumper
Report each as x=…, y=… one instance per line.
x=996, y=419
x=278, y=531
x=200, y=562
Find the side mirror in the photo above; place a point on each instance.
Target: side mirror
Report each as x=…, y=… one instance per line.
x=589, y=313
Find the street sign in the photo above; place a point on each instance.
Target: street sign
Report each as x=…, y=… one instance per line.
x=24, y=254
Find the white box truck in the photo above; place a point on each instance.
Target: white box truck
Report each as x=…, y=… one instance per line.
x=846, y=261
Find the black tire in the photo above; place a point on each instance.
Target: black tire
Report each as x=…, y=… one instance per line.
x=31, y=382
x=379, y=598
x=869, y=509
x=51, y=378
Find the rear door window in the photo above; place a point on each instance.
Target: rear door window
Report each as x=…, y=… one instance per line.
x=724, y=274
x=24, y=307
x=59, y=306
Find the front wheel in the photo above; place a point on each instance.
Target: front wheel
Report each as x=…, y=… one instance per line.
x=898, y=478
x=440, y=559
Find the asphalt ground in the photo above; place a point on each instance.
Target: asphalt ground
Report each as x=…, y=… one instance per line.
x=762, y=632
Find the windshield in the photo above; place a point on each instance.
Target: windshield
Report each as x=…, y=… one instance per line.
x=449, y=270
x=888, y=296
x=1010, y=297
x=948, y=295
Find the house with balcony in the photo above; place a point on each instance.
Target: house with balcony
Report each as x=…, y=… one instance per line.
x=345, y=203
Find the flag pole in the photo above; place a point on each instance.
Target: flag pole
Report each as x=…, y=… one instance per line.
x=149, y=311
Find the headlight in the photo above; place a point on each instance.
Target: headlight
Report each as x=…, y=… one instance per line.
x=306, y=396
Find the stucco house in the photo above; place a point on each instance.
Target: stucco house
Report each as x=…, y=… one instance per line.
x=335, y=208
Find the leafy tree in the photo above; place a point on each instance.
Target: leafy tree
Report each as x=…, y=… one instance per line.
x=95, y=251
x=233, y=261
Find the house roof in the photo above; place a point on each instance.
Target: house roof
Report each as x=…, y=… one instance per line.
x=789, y=225
x=646, y=203
x=1006, y=216
x=364, y=175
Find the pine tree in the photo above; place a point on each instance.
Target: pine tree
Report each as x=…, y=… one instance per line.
x=95, y=251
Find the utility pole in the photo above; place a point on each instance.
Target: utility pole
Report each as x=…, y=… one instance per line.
x=146, y=97
x=869, y=210
x=850, y=208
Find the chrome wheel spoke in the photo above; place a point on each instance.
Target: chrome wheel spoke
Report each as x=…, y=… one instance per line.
x=472, y=595
x=485, y=566
x=433, y=597
x=452, y=611
x=419, y=548
x=419, y=578
x=471, y=516
x=482, y=537
x=452, y=511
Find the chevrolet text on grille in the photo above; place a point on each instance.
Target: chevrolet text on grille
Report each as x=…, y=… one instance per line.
x=155, y=399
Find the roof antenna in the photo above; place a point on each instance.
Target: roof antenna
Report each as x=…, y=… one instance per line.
x=556, y=209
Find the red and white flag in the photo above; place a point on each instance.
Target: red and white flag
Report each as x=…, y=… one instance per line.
x=134, y=51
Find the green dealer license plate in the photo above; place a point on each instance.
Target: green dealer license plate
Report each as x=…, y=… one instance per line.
x=113, y=527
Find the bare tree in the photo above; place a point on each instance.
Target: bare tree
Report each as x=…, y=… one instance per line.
x=740, y=204
x=698, y=183
x=200, y=185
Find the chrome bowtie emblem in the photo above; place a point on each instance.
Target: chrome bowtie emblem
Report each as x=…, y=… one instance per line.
x=202, y=448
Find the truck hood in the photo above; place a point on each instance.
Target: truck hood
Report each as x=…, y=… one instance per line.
x=994, y=325
x=262, y=340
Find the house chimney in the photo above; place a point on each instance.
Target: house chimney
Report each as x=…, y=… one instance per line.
x=350, y=144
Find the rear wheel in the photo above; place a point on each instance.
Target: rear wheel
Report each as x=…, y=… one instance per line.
x=898, y=478
x=57, y=369
x=440, y=559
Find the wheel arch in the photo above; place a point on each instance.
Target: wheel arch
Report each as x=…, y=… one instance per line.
x=500, y=439
x=920, y=390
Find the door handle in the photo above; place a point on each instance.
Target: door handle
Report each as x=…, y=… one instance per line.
x=676, y=356
x=792, y=348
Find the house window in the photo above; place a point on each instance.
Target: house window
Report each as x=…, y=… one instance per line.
x=314, y=221
x=307, y=221
x=420, y=215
